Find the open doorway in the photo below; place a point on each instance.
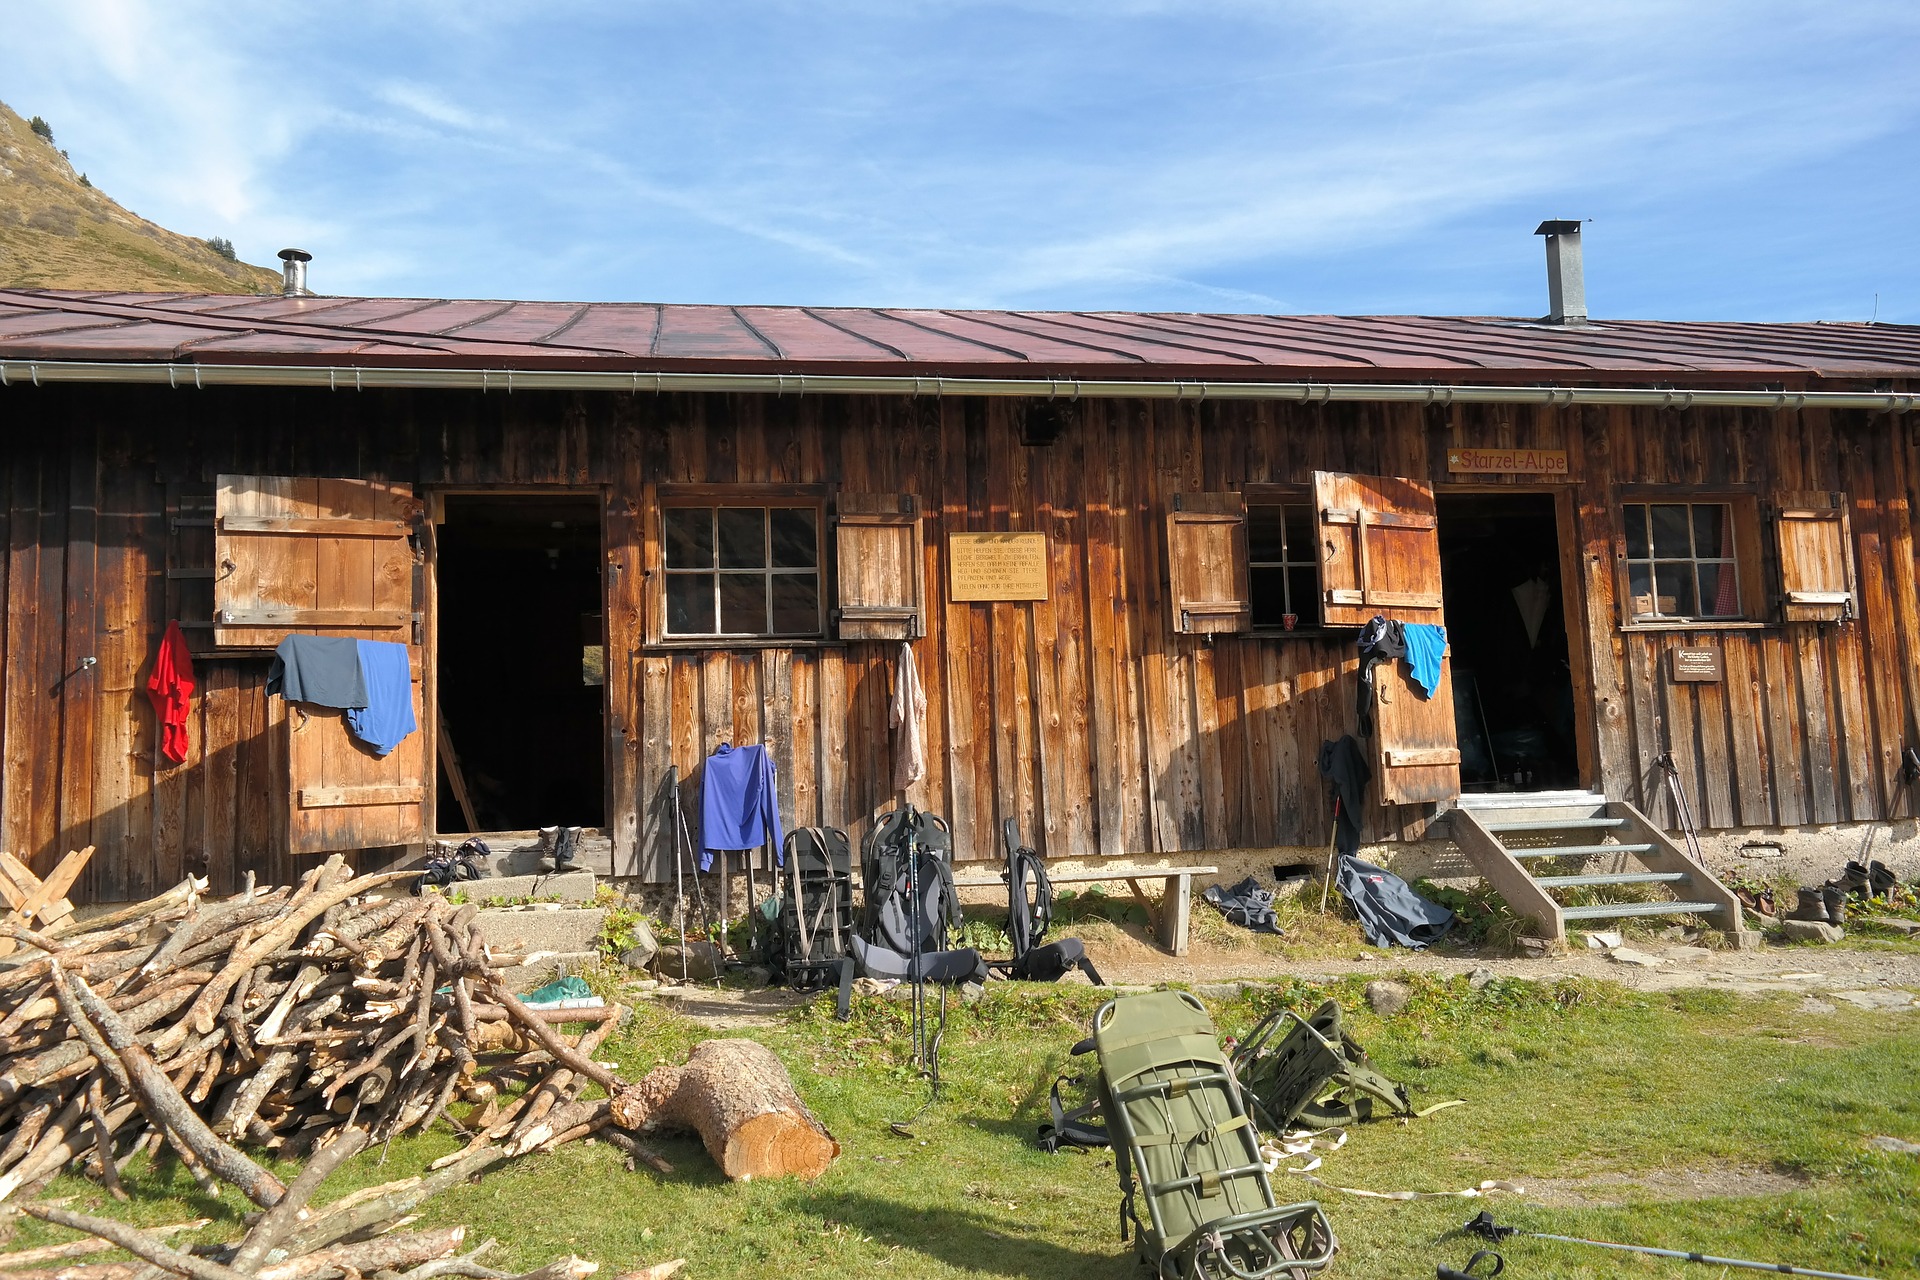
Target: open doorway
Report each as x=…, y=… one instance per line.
x=521, y=680
x=1506, y=626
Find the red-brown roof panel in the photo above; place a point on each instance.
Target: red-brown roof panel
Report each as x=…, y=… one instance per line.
x=77, y=325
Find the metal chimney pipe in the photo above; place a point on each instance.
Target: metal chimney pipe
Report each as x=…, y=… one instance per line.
x=1566, y=279
x=296, y=260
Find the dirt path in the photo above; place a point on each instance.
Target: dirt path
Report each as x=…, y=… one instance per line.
x=1667, y=967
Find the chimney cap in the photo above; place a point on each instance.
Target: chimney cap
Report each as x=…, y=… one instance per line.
x=1551, y=227
x=295, y=255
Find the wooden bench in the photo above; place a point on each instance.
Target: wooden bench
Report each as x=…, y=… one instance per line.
x=1170, y=922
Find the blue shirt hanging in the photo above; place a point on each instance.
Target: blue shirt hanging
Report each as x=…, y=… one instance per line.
x=387, y=718
x=739, y=808
x=1426, y=645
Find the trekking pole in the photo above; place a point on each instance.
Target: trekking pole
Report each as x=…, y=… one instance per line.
x=679, y=872
x=1333, y=849
x=1485, y=1226
x=917, y=974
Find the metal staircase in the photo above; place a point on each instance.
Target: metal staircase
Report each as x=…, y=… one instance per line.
x=1581, y=840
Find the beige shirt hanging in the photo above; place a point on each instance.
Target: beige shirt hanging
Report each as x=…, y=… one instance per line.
x=909, y=715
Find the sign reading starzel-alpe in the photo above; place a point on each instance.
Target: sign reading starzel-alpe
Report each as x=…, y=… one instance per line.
x=1548, y=462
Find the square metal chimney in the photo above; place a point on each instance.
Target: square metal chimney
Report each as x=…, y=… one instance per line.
x=1566, y=280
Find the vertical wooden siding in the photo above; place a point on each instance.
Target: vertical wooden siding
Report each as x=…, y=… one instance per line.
x=1083, y=716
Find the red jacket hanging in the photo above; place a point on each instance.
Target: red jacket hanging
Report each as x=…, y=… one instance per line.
x=171, y=689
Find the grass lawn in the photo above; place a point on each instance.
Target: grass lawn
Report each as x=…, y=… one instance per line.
x=1579, y=1083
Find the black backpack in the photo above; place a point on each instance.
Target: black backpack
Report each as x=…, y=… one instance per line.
x=887, y=907
x=813, y=921
x=1034, y=960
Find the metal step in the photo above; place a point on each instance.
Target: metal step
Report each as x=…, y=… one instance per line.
x=1577, y=850
x=1624, y=877
x=1604, y=910
x=1556, y=824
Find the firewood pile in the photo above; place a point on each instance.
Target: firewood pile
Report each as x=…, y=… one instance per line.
x=273, y=1020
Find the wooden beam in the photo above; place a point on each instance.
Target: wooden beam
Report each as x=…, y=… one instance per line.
x=325, y=526
x=339, y=797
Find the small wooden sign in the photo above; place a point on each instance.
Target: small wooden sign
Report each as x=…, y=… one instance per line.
x=997, y=566
x=1698, y=666
x=1539, y=462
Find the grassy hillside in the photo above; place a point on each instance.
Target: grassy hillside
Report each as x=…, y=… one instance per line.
x=58, y=233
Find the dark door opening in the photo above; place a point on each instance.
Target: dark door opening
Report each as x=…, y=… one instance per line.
x=521, y=670
x=1506, y=626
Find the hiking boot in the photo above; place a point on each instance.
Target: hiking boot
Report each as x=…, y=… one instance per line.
x=1880, y=878
x=1835, y=900
x=566, y=848
x=1812, y=906
x=1853, y=881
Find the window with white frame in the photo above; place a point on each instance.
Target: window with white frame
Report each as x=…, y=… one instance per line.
x=737, y=569
x=1683, y=562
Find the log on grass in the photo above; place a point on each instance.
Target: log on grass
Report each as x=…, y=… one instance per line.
x=739, y=1098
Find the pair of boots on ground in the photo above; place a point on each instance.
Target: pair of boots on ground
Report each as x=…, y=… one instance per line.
x=1828, y=902
x=562, y=844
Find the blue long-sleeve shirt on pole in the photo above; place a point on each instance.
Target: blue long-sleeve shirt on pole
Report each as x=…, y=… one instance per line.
x=739, y=807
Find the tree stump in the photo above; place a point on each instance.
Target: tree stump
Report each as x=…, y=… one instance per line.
x=738, y=1097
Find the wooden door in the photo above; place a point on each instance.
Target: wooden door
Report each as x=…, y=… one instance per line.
x=331, y=557
x=1380, y=555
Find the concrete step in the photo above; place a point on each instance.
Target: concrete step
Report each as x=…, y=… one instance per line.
x=517, y=853
x=1609, y=910
x=544, y=966
x=571, y=886
x=518, y=931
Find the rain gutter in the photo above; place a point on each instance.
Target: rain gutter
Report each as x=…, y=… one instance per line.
x=362, y=378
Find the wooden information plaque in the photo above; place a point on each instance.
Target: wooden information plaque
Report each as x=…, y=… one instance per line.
x=997, y=566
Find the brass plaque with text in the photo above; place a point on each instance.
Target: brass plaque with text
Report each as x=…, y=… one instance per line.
x=997, y=566
x=1698, y=666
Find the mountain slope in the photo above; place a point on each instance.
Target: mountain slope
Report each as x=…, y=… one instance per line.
x=56, y=233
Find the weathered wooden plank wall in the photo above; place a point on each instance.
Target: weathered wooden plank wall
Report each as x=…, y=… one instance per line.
x=1083, y=717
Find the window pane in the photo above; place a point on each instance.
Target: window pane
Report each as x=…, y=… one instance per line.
x=743, y=604
x=689, y=537
x=1305, y=581
x=1301, y=547
x=1640, y=590
x=1719, y=590
x=1636, y=519
x=1712, y=532
x=796, y=604
x=1670, y=530
x=1263, y=534
x=1269, y=588
x=794, y=544
x=1673, y=589
x=743, y=537
x=690, y=603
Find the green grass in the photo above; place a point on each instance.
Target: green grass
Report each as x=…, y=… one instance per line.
x=1564, y=1080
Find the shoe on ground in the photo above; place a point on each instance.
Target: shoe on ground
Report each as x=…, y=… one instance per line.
x=1835, y=900
x=1812, y=906
x=1853, y=881
x=566, y=848
x=1880, y=878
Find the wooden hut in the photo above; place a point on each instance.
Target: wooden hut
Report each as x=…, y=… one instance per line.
x=1130, y=552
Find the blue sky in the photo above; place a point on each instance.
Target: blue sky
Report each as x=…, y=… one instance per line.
x=1741, y=160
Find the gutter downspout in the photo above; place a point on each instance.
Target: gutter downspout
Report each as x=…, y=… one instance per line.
x=359, y=378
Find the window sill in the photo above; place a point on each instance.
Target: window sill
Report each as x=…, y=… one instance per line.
x=1740, y=625
x=1298, y=633
x=711, y=643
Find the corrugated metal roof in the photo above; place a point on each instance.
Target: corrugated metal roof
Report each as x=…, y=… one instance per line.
x=623, y=336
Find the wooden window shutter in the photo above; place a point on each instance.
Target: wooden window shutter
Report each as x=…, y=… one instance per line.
x=314, y=556
x=1207, y=563
x=1816, y=558
x=880, y=565
x=342, y=796
x=1379, y=548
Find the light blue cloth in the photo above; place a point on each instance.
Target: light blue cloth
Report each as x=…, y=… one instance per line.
x=388, y=716
x=1426, y=644
x=738, y=804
